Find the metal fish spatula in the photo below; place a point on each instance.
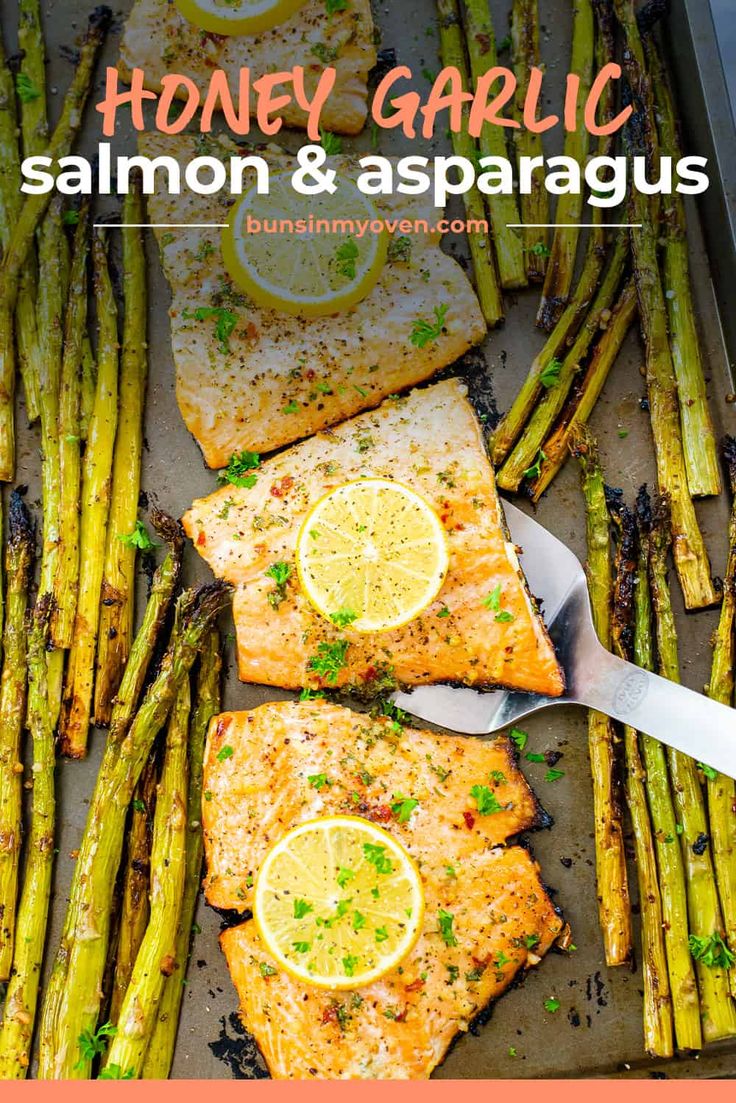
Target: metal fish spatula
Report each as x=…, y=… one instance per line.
x=679, y=717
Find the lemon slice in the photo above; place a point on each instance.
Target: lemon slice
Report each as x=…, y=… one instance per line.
x=230, y=17
x=338, y=902
x=372, y=555
x=300, y=269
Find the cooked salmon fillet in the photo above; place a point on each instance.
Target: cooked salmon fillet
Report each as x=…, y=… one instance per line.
x=256, y=784
x=158, y=39
x=285, y=378
x=432, y=441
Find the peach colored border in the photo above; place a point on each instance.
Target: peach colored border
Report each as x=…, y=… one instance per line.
x=472, y=1091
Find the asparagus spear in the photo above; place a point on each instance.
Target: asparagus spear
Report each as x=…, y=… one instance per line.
x=503, y=209
x=22, y=994
x=97, y=472
x=543, y=419
x=546, y=361
x=66, y=582
x=118, y=580
x=722, y=789
x=658, y=1020
x=18, y=558
x=717, y=1008
x=88, y=387
x=614, y=908
x=160, y=1055
x=698, y=435
x=10, y=203
x=156, y=958
x=134, y=911
x=681, y=969
x=561, y=267
x=164, y=585
x=30, y=217
x=535, y=205
x=34, y=121
x=73, y=994
x=481, y=249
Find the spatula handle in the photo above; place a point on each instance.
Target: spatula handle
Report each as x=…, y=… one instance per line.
x=678, y=717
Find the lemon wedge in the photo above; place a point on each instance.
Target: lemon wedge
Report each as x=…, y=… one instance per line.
x=372, y=555
x=338, y=902
x=230, y=17
x=300, y=269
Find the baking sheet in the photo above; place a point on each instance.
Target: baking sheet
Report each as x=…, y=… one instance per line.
x=597, y=1030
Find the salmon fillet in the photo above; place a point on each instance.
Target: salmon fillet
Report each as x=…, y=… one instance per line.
x=160, y=40
x=503, y=920
x=432, y=441
x=285, y=378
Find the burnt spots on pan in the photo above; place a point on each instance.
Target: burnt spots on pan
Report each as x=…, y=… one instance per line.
x=238, y=1050
x=596, y=991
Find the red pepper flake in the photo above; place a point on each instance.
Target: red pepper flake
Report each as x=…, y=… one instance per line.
x=223, y=724
x=282, y=487
x=370, y=674
x=381, y=814
x=401, y=1017
x=251, y=330
x=310, y=373
x=469, y=820
x=415, y=986
x=329, y=1015
x=201, y=539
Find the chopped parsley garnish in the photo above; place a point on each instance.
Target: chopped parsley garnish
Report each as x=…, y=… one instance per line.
x=531, y=940
x=493, y=600
x=331, y=143
x=381, y=934
x=552, y=1004
x=400, y=248
x=425, y=332
x=94, y=1043
x=70, y=218
x=519, y=737
x=349, y=963
x=535, y=470
x=225, y=322
x=501, y=960
x=378, y=857
x=224, y=753
x=302, y=908
x=291, y=408
x=497, y=775
x=453, y=972
x=359, y=921
x=343, y=617
x=540, y=250
x=311, y=695
x=550, y=374
x=280, y=573
x=26, y=89
x=138, y=538
x=486, y=800
x=712, y=951
x=325, y=53
x=302, y=947
x=444, y=612
x=554, y=775
x=334, y=6
x=534, y=756
x=346, y=255
x=446, y=922
x=344, y=875
x=403, y=807
x=267, y=970
x=318, y=781
x=709, y=772
x=139, y=805
x=504, y=617
x=240, y=470
x=330, y=659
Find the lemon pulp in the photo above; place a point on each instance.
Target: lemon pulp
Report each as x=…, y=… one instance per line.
x=338, y=902
x=295, y=267
x=372, y=555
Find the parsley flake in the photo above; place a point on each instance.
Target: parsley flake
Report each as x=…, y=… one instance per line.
x=138, y=538
x=712, y=951
x=486, y=800
x=403, y=807
x=240, y=470
x=426, y=332
x=330, y=659
x=446, y=922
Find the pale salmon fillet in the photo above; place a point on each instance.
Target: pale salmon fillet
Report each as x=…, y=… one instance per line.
x=285, y=378
x=432, y=441
x=504, y=921
x=159, y=40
